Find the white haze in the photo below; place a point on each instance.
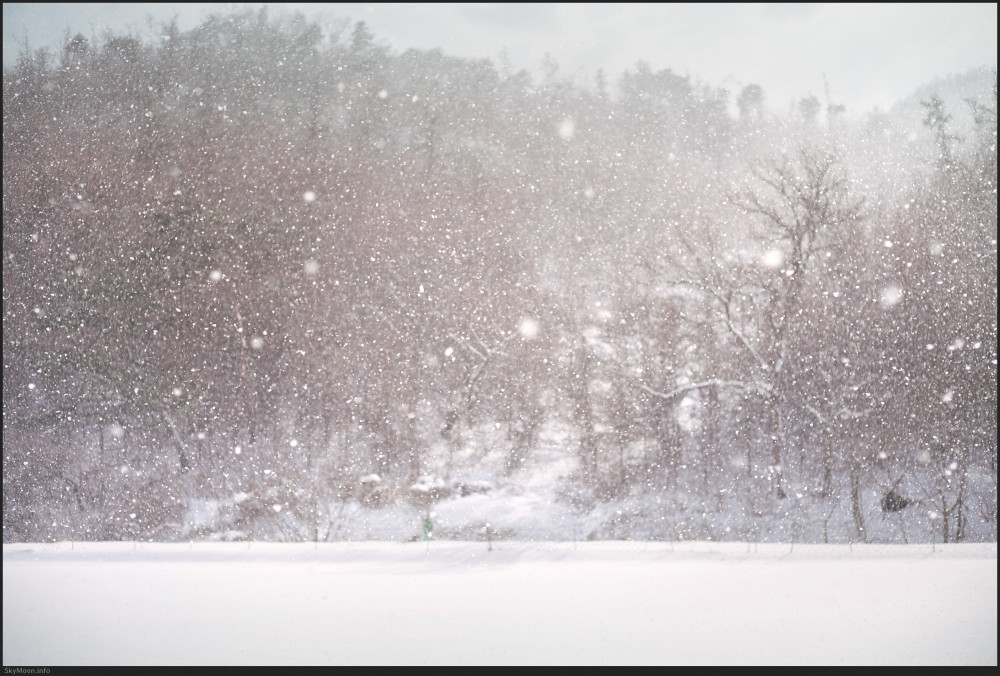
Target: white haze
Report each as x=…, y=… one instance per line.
x=869, y=55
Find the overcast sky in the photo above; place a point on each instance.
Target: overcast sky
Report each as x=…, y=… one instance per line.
x=869, y=54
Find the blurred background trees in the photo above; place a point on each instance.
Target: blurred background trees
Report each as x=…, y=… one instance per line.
x=264, y=259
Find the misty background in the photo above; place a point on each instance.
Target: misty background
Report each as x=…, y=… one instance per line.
x=869, y=55
x=277, y=269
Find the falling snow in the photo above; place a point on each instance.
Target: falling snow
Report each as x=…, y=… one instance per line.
x=271, y=279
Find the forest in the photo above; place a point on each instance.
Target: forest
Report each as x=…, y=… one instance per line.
x=276, y=263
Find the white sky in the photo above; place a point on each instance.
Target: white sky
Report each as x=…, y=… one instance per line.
x=523, y=603
x=871, y=54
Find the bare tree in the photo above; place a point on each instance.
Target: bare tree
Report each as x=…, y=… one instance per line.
x=792, y=205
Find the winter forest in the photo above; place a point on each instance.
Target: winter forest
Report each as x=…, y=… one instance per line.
x=274, y=270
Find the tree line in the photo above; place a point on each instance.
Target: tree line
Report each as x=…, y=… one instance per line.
x=267, y=257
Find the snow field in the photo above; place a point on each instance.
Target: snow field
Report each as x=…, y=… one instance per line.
x=519, y=603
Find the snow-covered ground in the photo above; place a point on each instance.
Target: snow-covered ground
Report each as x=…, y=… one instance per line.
x=504, y=602
x=541, y=501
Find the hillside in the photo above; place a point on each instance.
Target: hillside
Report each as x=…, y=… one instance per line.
x=268, y=280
